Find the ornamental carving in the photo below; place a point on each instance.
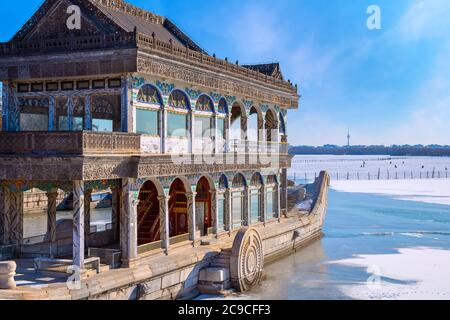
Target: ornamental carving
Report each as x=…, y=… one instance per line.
x=214, y=82
x=148, y=94
x=204, y=104
x=247, y=259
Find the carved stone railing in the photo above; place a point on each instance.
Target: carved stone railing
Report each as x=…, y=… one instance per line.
x=69, y=143
x=241, y=146
x=154, y=44
x=107, y=41
x=133, y=40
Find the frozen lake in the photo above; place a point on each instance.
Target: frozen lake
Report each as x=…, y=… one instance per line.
x=371, y=167
x=383, y=239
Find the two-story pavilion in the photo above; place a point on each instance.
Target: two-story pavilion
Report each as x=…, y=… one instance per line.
x=191, y=146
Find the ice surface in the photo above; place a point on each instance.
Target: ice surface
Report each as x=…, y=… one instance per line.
x=412, y=274
x=427, y=190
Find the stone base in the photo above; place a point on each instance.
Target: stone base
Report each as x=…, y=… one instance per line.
x=214, y=280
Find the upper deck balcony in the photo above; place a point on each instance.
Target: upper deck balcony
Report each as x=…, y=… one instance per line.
x=88, y=143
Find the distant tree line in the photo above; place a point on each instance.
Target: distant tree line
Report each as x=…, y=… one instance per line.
x=395, y=150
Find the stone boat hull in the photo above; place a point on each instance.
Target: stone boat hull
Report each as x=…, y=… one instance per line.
x=179, y=275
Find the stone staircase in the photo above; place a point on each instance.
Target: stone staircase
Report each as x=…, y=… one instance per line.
x=216, y=278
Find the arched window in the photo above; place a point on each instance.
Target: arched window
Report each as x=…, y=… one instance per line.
x=282, y=125
x=271, y=126
x=177, y=121
x=255, y=199
x=221, y=212
x=221, y=120
x=148, y=214
x=270, y=197
x=203, y=124
x=237, y=201
x=147, y=117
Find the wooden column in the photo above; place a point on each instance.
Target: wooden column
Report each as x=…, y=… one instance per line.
x=78, y=224
x=70, y=113
x=128, y=223
x=192, y=224
x=5, y=107
x=164, y=222
x=87, y=113
x=51, y=113
x=52, y=197
x=87, y=216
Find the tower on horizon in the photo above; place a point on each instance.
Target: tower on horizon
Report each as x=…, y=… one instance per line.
x=348, y=138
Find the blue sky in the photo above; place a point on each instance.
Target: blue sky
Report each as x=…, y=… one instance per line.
x=389, y=86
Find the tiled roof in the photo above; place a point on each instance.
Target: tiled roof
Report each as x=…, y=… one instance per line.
x=269, y=69
x=130, y=17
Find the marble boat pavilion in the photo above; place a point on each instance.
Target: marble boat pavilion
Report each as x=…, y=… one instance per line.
x=110, y=106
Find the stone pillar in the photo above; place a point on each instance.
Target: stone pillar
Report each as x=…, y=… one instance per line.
x=229, y=210
x=2, y=216
x=115, y=204
x=246, y=207
x=52, y=197
x=215, y=212
x=260, y=133
x=126, y=118
x=51, y=113
x=128, y=223
x=215, y=138
x=87, y=216
x=227, y=132
x=78, y=224
x=191, y=216
x=87, y=113
x=263, y=204
x=191, y=132
x=284, y=191
x=163, y=128
x=164, y=222
x=13, y=217
x=278, y=201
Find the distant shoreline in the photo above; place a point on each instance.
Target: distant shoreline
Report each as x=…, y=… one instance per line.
x=393, y=151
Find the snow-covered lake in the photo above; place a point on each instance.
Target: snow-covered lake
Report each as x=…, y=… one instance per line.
x=371, y=167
